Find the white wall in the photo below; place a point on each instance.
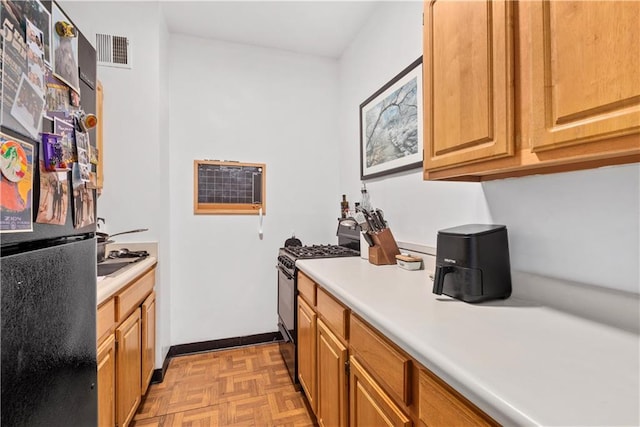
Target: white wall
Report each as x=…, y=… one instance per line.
x=581, y=226
x=135, y=193
x=415, y=209
x=132, y=196
x=216, y=279
x=237, y=102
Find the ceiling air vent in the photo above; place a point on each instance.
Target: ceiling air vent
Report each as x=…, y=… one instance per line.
x=113, y=51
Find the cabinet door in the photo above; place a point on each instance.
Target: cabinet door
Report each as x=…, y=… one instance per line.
x=585, y=82
x=468, y=82
x=370, y=405
x=331, y=379
x=99, y=134
x=440, y=405
x=128, y=356
x=307, y=351
x=107, y=383
x=148, y=340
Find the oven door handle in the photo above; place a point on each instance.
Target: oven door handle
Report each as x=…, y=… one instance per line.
x=286, y=273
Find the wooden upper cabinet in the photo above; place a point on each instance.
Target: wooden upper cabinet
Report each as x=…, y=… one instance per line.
x=468, y=82
x=586, y=72
x=530, y=87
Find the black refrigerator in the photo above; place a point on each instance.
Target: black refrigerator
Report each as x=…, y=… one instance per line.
x=48, y=337
x=48, y=300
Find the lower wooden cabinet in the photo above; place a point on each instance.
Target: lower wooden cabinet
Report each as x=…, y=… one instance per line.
x=148, y=326
x=391, y=367
x=107, y=382
x=354, y=375
x=307, y=352
x=332, y=379
x=440, y=405
x=369, y=404
x=129, y=356
x=126, y=338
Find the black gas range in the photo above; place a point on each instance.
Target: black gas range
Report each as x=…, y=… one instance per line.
x=288, y=293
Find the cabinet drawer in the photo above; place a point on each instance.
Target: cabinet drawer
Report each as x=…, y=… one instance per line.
x=370, y=404
x=130, y=298
x=442, y=406
x=388, y=365
x=334, y=313
x=106, y=319
x=307, y=288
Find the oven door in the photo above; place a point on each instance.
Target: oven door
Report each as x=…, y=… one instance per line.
x=288, y=353
x=287, y=321
x=287, y=301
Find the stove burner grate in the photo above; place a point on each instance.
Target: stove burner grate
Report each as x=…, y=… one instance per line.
x=321, y=251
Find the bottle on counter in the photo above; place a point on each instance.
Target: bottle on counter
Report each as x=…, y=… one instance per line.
x=344, y=206
x=365, y=201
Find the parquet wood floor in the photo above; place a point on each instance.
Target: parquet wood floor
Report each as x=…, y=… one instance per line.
x=246, y=386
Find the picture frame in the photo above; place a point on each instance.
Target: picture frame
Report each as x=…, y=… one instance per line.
x=391, y=136
x=65, y=53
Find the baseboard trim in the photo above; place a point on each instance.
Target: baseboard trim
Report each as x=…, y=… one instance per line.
x=220, y=344
x=158, y=374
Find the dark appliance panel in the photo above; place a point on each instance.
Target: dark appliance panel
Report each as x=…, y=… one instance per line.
x=288, y=292
x=349, y=234
x=287, y=349
x=286, y=299
x=48, y=304
x=48, y=338
x=472, y=263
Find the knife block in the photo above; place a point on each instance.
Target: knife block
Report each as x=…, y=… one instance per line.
x=385, y=248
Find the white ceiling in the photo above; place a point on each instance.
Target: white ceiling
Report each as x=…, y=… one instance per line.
x=322, y=28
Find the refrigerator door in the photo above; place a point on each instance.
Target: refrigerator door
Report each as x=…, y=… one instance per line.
x=87, y=83
x=48, y=337
x=43, y=232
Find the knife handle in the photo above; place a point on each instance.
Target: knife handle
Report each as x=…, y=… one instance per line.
x=370, y=221
x=379, y=223
x=367, y=238
x=381, y=218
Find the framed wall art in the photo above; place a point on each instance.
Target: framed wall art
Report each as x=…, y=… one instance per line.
x=391, y=125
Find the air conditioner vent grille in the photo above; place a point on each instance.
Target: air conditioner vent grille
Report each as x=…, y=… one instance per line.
x=113, y=51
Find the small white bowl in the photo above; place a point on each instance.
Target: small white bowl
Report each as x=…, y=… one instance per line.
x=409, y=265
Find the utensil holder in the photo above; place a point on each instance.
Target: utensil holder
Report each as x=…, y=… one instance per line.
x=385, y=248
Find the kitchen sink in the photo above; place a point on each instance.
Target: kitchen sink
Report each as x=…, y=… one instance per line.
x=110, y=266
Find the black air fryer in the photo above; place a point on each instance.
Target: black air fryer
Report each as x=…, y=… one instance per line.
x=472, y=263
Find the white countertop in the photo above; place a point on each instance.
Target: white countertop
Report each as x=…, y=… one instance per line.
x=520, y=362
x=109, y=285
x=112, y=283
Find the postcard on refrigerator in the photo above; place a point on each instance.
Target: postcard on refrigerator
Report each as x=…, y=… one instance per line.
x=16, y=185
